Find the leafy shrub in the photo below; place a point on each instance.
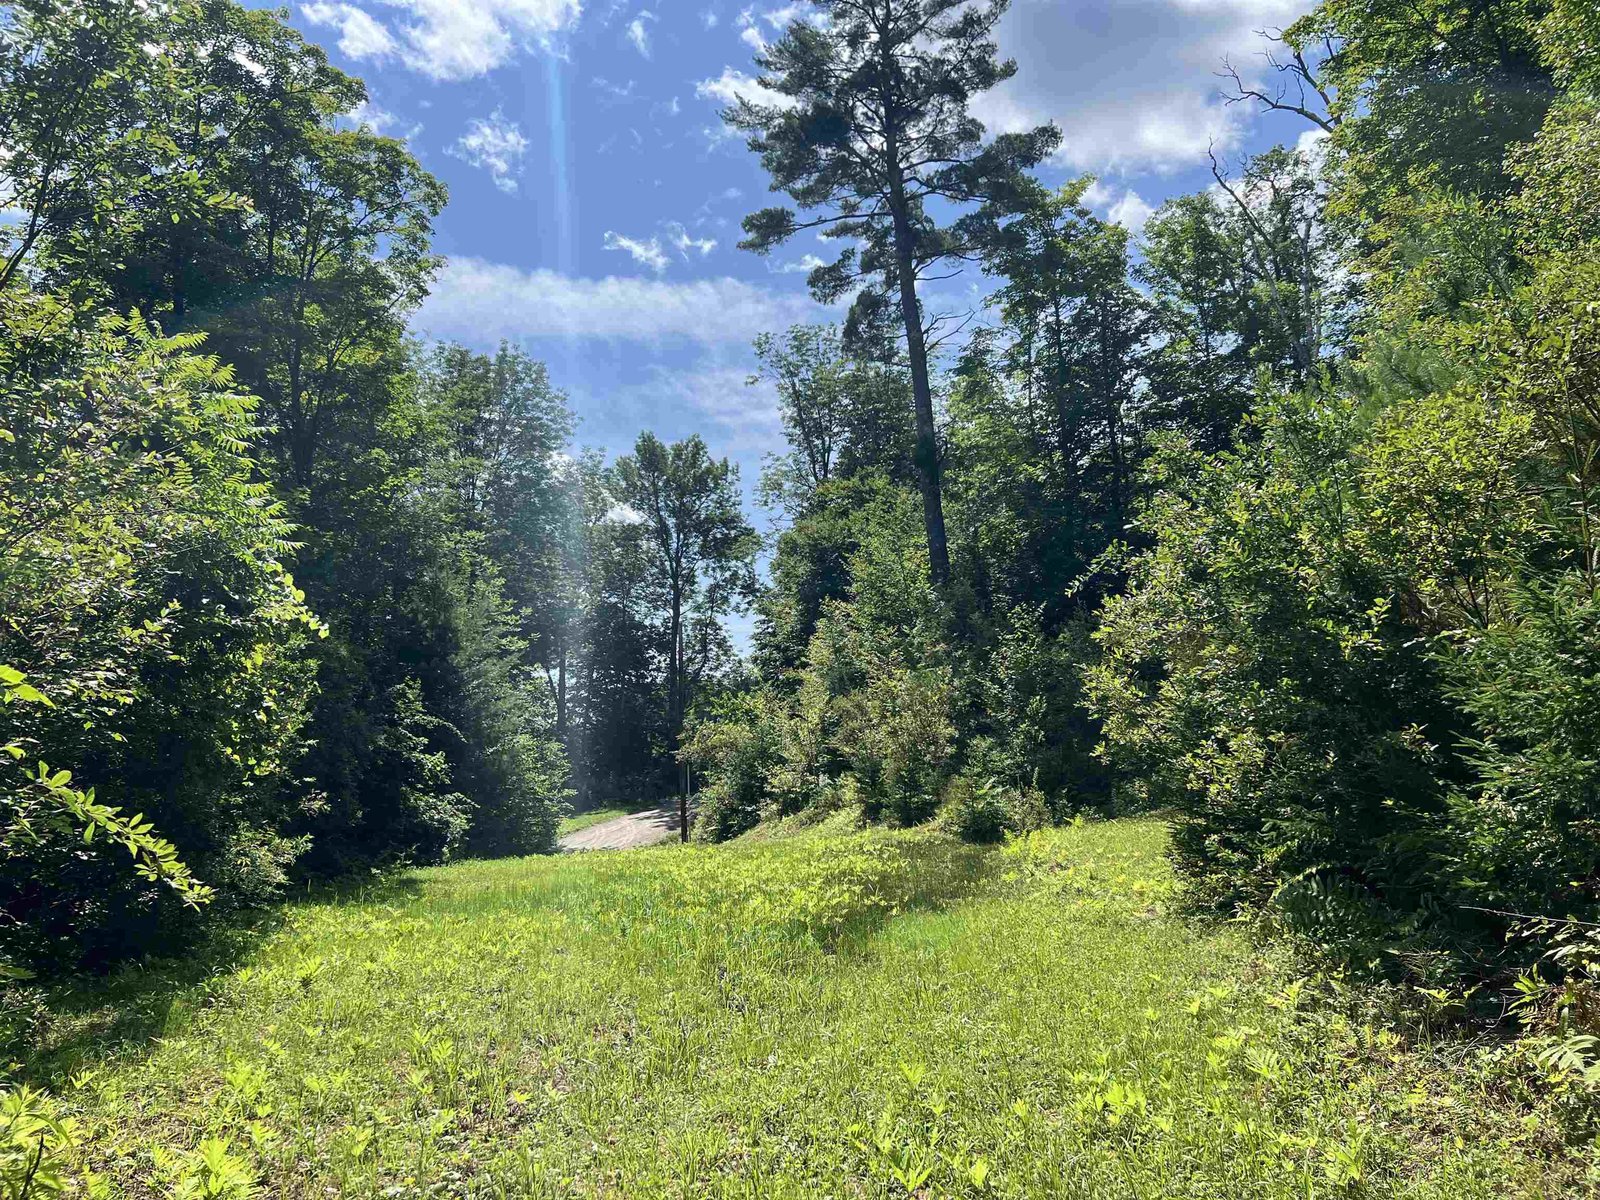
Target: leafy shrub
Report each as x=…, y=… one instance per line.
x=736, y=748
x=1358, y=660
x=514, y=767
x=1026, y=693
x=36, y=1146
x=1257, y=678
x=974, y=812
x=1026, y=810
x=987, y=810
x=144, y=594
x=1555, y=1061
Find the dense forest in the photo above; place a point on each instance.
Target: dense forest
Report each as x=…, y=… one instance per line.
x=303, y=594
x=1279, y=518
x=1276, y=519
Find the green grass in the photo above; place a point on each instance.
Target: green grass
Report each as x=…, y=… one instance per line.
x=871, y=1015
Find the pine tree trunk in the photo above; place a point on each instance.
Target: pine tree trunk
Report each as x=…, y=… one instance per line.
x=927, y=452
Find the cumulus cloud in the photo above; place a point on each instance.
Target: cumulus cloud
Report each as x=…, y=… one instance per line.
x=1131, y=212
x=622, y=513
x=750, y=31
x=1313, y=143
x=800, y=266
x=732, y=86
x=482, y=302
x=496, y=145
x=1131, y=83
x=360, y=35
x=462, y=39
x=369, y=115
x=781, y=18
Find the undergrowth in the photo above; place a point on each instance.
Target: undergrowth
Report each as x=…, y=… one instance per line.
x=833, y=1014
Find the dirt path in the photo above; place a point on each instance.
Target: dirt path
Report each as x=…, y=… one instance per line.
x=637, y=829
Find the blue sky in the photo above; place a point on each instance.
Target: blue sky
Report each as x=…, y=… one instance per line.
x=596, y=197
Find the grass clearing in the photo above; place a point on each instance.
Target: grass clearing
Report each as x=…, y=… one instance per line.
x=879, y=1014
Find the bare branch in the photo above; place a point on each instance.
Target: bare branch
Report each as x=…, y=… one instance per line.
x=1296, y=77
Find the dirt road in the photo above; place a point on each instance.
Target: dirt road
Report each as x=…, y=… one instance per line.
x=637, y=829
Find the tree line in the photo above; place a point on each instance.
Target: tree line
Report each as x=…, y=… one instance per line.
x=285, y=594
x=1279, y=517
x=1276, y=517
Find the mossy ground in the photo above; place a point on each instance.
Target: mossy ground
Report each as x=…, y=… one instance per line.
x=873, y=1014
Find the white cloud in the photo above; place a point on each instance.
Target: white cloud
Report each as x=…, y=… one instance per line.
x=622, y=513
x=617, y=92
x=496, y=145
x=482, y=302
x=750, y=31
x=803, y=266
x=781, y=18
x=639, y=32
x=461, y=39
x=1313, y=143
x=360, y=35
x=732, y=86
x=646, y=254
x=744, y=417
x=1131, y=212
x=1131, y=83
x=1097, y=195
x=685, y=243
x=249, y=64
x=370, y=115
x=708, y=19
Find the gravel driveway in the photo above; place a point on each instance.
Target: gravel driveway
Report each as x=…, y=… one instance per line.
x=637, y=829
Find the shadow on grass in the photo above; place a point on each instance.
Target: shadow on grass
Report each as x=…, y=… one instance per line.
x=59, y=1027
x=944, y=873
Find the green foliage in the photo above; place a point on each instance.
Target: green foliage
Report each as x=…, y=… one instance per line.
x=1256, y=675
x=43, y=803
x=1027, y=1020
x=697, y=554
x=1354, y=658
x=738, y=747
x=873, y=129
x=986, y=810
x=145, y=596
x=189, y=162
x=1246, y=281
x=974, y=812
x=37, y=1146
x=896, y=736
x=1425, y=96
x=1529, y=818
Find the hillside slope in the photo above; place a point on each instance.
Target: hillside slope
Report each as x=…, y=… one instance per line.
x=879, y=1014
